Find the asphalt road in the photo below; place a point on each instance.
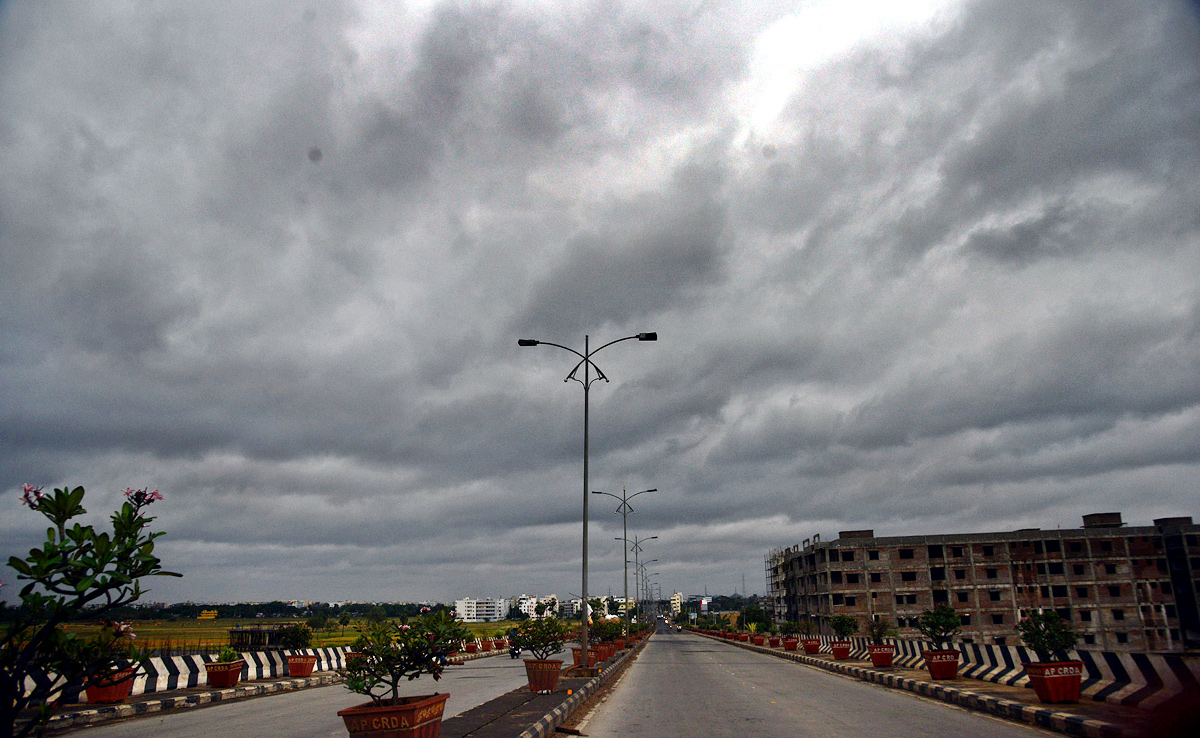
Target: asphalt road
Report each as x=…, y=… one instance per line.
x=686, y=685
x=312, y=713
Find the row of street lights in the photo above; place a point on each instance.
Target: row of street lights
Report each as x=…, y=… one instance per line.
x=585, y=361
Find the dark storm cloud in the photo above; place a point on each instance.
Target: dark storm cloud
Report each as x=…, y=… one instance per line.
x=914, y=269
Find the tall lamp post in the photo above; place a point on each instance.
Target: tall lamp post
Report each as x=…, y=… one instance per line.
x=639, y=572
x=625, y=509
x=585, y=361
x=636, y=546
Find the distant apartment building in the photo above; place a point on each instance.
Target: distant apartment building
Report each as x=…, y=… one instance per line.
x=480, y=611
x=1122, y=589
x=676, y=603
x=571, y=608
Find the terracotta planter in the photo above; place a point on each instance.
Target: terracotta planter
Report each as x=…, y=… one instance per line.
x=471, y=647
x=812, y=645
x=789, y=644
x=743, y=637
x=841, y=649
x=941, y=664
x=300, y=665
x=577, y=657
x=621, y=644
x=114, y=686
x=223, y=674
x=773, y=641
x=485, y=646
x=1052, y=681
x=882, y=655
x=543, y=674
x=758, y=640
x=500, y=644
x=408, y=717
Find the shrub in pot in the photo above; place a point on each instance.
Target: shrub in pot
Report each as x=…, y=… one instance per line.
x=297, y=637
x=112, y=681
x=789, y=630
x=225, y=670
x=940, y=625
x=1054, y=677
x=843, y=626
x=388, y=654
x=881, y=653
x=808, y=632
x=542, y=637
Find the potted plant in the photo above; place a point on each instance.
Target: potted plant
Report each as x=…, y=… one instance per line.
x=789, y=630
x=225, y=670
x=881, y=653
x=843, y=626
x=773, y=636
x=808, y=629
x=388, y=654
x=542, y=637
x=115, y=663
x=297, y=637
x=1053, y=676
x=940, y=625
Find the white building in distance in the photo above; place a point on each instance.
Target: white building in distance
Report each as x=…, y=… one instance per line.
x=480, y=611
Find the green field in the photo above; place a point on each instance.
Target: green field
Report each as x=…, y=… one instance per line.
x=185, y=636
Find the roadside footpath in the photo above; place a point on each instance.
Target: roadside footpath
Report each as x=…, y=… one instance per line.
x=1019, y=704
x=516, y=714
x=74, y=716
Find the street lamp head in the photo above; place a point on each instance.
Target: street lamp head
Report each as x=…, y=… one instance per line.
x=647, y=336
x=526, y=342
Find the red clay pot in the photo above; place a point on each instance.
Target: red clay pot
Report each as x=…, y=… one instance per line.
x=758, y=640
x=941, y=664
x=543, y=674
x=882, y=655
x=108, y=688
x=789, y=644
x=773, y=641
x=224, y=674
x=407, y=717
x=812, y=645
x=577, y=657
x=471, y=647
x=300, y=665
x=1052, y=681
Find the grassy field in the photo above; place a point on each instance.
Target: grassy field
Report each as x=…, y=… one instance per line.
x=191, y=636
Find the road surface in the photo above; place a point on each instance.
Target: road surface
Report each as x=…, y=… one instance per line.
x=686, y=685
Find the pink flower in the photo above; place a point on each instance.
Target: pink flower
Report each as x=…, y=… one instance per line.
x=31, y=495
x=142, y=497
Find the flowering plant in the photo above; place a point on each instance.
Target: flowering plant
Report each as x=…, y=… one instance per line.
x=843, y=625
x=1047, y=634
x=878, y=629
x=940, y=625
x=77, y=574
x=388, y=653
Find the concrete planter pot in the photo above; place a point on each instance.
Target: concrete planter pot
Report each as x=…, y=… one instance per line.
x=224, y=674
x=812, y=645
x=543, y=674
x=1052, y=681
x=407, y=717
x=108, y=688
x=881, y=656
x=841, y=649
x=773, y=641
x=300, y=665
x=789, y=644
x=941, y=664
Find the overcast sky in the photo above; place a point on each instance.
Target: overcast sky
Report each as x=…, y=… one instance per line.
x=915, y=267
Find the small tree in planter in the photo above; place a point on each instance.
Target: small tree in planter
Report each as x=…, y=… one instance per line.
x=389, y=653
x=881, y=653
x=77, y=574
x=542, y=637
x=297, y=637
x=1054, y=678
x=940, y=625
x=789, y=629
x=843, y=626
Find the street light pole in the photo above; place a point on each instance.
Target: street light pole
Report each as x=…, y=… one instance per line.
x=625, y=509
x=585, y=360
